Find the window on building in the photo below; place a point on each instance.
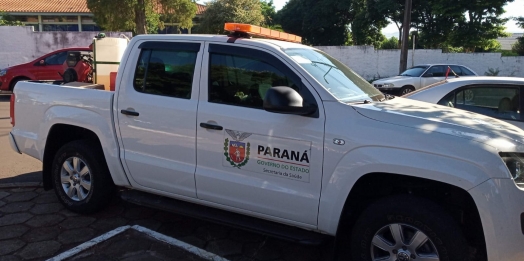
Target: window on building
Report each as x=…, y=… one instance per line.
x=90, y=28
x=60, y=27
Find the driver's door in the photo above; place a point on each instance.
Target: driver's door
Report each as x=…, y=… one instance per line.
x=52, y=66
x=432, y=75
x=267, y=164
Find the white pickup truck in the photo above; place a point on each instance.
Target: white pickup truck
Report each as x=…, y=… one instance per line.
x=280, y=138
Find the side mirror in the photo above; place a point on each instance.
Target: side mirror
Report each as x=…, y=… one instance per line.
x=285, y=100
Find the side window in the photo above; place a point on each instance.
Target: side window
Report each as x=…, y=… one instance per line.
x=493, y=101
x=448, y=100
x=243, y=81
x=437, y=71
x=56, y=59
x=165, y=72
x=466, y=71
x=456, y=69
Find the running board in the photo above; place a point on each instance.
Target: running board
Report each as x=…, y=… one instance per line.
x=227, y=218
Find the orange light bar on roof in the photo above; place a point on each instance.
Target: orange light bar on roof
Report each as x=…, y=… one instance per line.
x=261, y=31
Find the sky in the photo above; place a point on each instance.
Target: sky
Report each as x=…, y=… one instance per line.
x=512, y=9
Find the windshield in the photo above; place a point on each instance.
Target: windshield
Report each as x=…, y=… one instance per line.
x=338, y=79
x=414, y=71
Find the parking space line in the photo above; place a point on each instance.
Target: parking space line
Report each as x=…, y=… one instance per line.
x=172, y=241
x=90, y=243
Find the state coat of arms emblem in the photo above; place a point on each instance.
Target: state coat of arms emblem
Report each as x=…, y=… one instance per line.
x=236, y=151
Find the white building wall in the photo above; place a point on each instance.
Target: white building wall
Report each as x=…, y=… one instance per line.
x=376, y=64
x=20, y=44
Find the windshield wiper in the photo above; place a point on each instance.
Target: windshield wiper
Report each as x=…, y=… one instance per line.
x=326, y=64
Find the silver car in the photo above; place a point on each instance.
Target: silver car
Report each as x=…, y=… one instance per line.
x=497, y=97
x=419, y=76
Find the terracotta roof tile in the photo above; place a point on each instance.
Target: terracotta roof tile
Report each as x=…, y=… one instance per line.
x=47, y=6
x=200, y=9
x=54, y=6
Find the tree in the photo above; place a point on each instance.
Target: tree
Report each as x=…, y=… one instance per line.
x=142, y=16
x=481, y=24
x=291, y=16
x=6, y=19
x=391, y=43
x=269, y=13
x=326, y=22
x=366, y=26
x=219, y=12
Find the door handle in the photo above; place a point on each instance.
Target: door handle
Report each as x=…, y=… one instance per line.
x=211, y=126
x=130, y=113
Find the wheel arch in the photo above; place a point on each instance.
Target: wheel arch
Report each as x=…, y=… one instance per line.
x=59, y=135
x=454, y=200
x=16, y=79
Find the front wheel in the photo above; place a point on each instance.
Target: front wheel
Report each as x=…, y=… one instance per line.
x=406, y=228
x=81, y=178
x=406, y=89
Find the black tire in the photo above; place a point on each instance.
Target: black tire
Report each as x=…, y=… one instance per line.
x=405, y=90
x=101, y=186
x=412, y=213
x=13, y=82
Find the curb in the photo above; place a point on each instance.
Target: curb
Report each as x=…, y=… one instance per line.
x=20, y=185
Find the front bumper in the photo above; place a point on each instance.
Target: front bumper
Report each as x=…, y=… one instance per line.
x=13, y=144
x=501, y=206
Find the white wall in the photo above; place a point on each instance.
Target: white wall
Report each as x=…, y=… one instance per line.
x=371, y=63
x=19, y=44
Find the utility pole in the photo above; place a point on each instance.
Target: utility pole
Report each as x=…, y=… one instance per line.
x=405, y=37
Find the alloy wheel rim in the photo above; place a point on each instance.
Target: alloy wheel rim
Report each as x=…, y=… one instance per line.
x=75, y=177
x=401, y=242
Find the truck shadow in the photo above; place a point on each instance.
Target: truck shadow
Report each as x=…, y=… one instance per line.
x=5, y=97
x=32, y=177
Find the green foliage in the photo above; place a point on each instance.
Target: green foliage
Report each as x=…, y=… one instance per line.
x=492, y=72
x=6, y=19
x=518, y=47
x=520, y=21
x=508, y=53
x=269, y=13
x=141, y=16
x=290, y=17
x=472, y=25
x=391, y=43
x=219, y=12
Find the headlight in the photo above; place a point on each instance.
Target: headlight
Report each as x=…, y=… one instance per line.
x=515, y=164
x=3, y=72
x=387, y=85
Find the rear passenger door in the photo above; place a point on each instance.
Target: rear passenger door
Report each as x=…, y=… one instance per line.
x=258, y=162
x=156, y=112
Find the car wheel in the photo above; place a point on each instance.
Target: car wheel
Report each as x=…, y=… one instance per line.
x=81, y=178
x=406, y=90
x=407, y=228
x=13, y=83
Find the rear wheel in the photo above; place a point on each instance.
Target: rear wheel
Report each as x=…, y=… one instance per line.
x=80, y=176
x=407, y=228
x=406, y=90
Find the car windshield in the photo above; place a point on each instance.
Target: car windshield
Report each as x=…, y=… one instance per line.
x=414, y=71
x=342, y=82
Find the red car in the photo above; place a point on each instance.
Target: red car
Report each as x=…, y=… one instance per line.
x=46, y=67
